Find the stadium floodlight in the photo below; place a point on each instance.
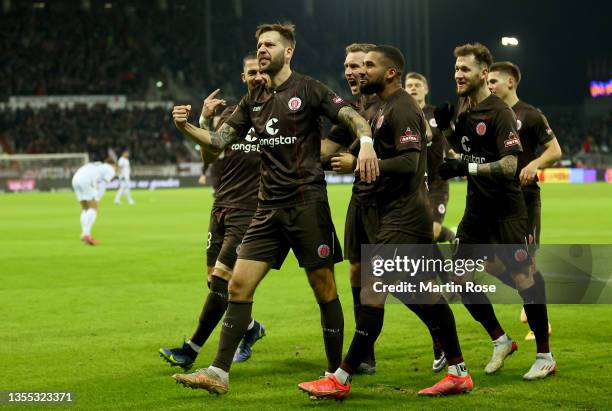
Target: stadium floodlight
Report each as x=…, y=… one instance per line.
x=509, y=41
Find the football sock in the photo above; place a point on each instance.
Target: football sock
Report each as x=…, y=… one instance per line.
x=236, y=321
x=537, y=314
x=419, y=310
x=443, y=323
x=478, y=304
x=196, y=348
x=212, y=312
x=460, y=370
x=84, y=222
x=92, y=213
x=220, y=372
x=342, y=376
x=332, y=322
x=356, y=301
x=367, y=330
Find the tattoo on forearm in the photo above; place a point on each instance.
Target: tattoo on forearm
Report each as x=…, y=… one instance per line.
x=503, y=168
x=224, y=136
x=358, y=125
x=207, y=124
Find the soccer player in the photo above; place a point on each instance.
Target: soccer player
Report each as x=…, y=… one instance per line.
x=293, y=212
x=233, y=208
x=534, y=132
x=89, y=184
x=361, y=223
x=416, y=85
x=399, y=129
x=124, y=178
x=361, y=218
x=487, y=141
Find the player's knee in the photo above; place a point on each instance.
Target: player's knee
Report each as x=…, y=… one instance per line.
x=437, y=229
x=323, y=284
x=355, y=274
x=495, y=267
x=523, y=279
x=238, y=290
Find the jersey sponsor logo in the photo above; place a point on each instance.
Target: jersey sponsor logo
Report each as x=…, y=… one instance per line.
x=251, y=136
x=470, y=158
x=247, y=148
x=270, y=129
x=294, y=103
x=257, y=108
x=380, y=121
x=337, y=99
x=519, y=124
x=464, y=146
x=432, y=122
x=481, y=128
x=409, y=136
x=323, y=251
x=512, y=140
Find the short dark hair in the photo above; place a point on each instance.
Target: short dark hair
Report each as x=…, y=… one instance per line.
x=357, y=47
x=417, y=76
x=395, y=57
x=251, y=55
x=508, y=68
x=286, y=30
x=480, y=52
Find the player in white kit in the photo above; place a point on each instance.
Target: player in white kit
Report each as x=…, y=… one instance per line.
x=124, y=178
x=89, y=184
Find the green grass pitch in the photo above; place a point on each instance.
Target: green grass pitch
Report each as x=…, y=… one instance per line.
x=91, y=319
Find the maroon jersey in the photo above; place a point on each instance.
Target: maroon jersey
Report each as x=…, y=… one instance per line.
x=534, y=131
x=436, y=149
x=238, y=170
x=484, y=134
x=397, y=127
x=287, y=122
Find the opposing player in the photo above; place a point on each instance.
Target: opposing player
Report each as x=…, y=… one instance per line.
x=404, y=218
x=124, y=178
x=293, y=212
x=486, y=138
x=535, y=133
x=233, y=208
x=89, y=184
x=417, y=86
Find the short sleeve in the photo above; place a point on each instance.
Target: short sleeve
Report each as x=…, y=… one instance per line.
x=507, y=138
x=408, y=128
x=328, y=102
x=541, y=128
x=240, y=120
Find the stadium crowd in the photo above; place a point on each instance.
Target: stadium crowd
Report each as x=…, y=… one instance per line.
x=112, y=54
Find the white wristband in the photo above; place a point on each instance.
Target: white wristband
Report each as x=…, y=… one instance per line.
x=366, y=140
x=472, y=169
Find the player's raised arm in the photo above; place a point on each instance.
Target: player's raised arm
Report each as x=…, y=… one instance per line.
x=213, y=141
x=367, y=162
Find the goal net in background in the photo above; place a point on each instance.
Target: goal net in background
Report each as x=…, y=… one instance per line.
x=28, y=172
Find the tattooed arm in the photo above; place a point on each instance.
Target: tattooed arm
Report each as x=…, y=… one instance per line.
x=504, y=168
x=367, y=162
x=212, y=141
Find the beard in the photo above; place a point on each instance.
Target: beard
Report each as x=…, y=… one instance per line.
x=275, y=65
x=470, y=87
x=373, y=86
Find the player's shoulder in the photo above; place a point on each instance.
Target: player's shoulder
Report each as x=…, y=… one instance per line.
x=494, y=103
x=528, y=111
x=428, y=111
